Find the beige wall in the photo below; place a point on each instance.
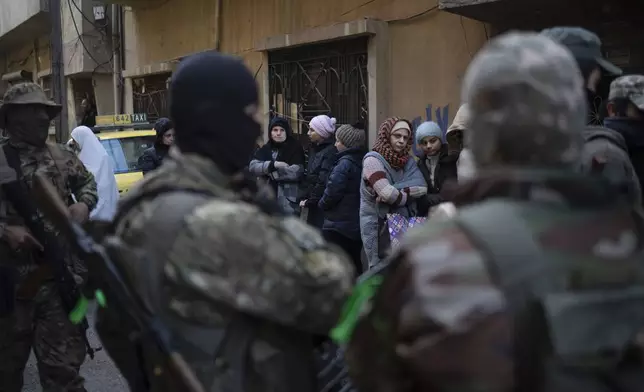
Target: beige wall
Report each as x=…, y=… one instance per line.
x=104, y=94
x=429, y=53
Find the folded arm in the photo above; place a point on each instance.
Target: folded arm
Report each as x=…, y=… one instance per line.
x=374, y=172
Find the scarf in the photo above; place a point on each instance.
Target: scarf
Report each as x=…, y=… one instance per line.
x=289, y=151
x=397, y=160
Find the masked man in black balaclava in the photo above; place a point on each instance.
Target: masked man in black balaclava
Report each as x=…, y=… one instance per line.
x=31, y=311
x=220, y=261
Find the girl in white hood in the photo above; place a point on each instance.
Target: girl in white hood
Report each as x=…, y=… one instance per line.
x=465, y=166
x=99, y=163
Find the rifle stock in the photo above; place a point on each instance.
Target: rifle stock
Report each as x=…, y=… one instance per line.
x=54, y=208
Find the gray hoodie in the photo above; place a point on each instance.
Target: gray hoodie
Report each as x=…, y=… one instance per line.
x=605, y=153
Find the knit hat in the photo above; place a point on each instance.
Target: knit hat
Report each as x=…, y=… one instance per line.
x=323, y=125
x=350, y=136
x=428, y=129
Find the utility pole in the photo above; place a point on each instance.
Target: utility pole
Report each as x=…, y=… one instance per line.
x=57, y=71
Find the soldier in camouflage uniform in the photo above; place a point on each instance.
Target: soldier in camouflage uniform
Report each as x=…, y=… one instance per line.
x=532, y=288
x=38, y=320
x=606, y=152
x=626, y=117
x=216, y=259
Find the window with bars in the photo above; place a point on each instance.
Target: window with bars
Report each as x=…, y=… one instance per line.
x=150, y=96
x=329, y=78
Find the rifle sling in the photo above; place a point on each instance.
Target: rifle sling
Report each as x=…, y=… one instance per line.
x=23, y=203
x=20, y=198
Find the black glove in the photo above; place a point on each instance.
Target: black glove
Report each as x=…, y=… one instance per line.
x=434, y=199
x=248, y=188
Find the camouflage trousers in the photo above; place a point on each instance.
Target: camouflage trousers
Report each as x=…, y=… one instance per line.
x=41, y=324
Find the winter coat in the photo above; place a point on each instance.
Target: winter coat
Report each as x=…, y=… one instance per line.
x=321, y=160
x=153, y=156
x=446, y=169
x=285, y=181
x=341, y=199
x=632, y=131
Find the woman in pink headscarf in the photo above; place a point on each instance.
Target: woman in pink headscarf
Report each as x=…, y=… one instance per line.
x=321, y=160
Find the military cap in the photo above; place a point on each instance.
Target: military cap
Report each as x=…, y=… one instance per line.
x=27, y=94
x=630, y=87
x=583, y=44
x=526, y=99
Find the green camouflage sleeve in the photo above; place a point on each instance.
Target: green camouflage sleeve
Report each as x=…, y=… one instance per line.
x=437, y=318
x=272, y=267
x=81, y=181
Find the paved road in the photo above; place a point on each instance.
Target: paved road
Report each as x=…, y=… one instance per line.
x=100, y=373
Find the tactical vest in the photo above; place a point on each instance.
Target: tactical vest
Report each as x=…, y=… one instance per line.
x=578, y=309
x=220, y=357
x=573, y=282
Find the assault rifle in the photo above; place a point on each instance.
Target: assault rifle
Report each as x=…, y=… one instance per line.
x=173, y=367
x=16, y=192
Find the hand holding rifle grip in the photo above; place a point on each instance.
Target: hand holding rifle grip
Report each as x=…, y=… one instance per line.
x=50, y=203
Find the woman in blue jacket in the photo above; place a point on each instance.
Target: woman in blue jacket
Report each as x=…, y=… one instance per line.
x=341, y=199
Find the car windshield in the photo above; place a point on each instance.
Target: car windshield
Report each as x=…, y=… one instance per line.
x=125, y=152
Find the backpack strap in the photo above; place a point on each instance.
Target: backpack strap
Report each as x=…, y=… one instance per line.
x=512, y=256
x=514, y=261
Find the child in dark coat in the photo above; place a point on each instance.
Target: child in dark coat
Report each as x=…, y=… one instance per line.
x=341, y=199
x=436, y=164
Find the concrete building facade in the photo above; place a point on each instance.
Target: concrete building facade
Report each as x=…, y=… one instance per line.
x=354, y=59
x=25, y=50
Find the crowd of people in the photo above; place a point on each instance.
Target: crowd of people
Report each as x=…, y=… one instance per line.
x=532, y=282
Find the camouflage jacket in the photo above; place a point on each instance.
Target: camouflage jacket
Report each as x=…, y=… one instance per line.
x=69, y=176
x=606, y=154
x=222, y=254
x=443, y=320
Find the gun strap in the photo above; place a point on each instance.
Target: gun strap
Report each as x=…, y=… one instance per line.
x=23, y=203
x=20, y=198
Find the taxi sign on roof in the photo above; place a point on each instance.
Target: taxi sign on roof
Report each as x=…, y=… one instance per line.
x=121, y=119
x=118, y=122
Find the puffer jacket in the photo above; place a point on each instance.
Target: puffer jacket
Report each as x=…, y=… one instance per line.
x=341, y=199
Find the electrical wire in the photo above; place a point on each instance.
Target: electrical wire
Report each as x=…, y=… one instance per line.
x=22, y=61
x=467, y=44
x=415, y=16
x=80, y=39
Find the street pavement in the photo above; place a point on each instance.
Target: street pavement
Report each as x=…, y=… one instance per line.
x=100, y=373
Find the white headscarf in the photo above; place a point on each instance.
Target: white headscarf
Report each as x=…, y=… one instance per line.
x=99, y=163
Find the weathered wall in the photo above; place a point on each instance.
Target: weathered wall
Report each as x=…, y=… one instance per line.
x=15, y=13
x=33, y=56
x=430, y=49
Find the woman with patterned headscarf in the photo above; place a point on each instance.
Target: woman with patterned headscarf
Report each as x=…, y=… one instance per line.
x=391, y=183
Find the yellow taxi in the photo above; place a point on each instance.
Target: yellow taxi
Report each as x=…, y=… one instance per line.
x=125, y=137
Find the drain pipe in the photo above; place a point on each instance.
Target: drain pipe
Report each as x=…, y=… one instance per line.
x=218, y=18
x=116, y=58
